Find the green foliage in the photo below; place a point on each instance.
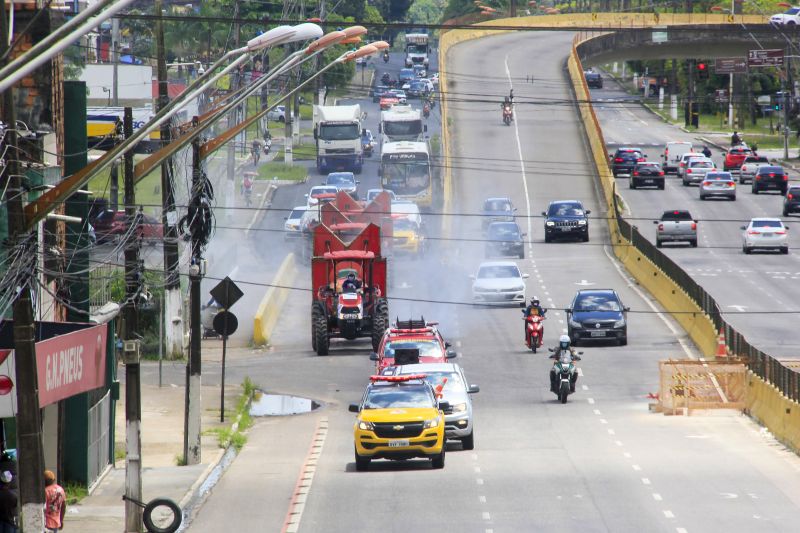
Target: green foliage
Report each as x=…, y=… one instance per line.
x=426, y=11
x=75, y=492
x=282, y=171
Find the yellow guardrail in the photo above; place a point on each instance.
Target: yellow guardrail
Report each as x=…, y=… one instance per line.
x=778, y=413
x=271, y=304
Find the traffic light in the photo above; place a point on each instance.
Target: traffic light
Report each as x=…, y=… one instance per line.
x=702, y=71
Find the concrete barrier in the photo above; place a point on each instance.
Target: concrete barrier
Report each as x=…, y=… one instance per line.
x=271, y=304
x=769, y=407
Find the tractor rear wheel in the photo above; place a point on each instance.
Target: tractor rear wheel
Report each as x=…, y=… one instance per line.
x=321, y=337
x=314, y=315
x=379, y=322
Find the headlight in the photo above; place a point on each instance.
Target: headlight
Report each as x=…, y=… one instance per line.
x=574, y=323
x=619, y=323
x=550, y=223
x=581, y=222
x=366, y=426
x=460, y=407
x=433, y=423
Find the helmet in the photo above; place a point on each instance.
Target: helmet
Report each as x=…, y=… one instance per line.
x=535, y=300
x=563, y=342
x=351, y=276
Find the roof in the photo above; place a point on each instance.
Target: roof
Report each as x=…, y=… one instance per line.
x=566, y=202
x=426, y=367
x=591, y=291
x=348, y=225
x=498, y=199
x=497, y=263
x=348, y=254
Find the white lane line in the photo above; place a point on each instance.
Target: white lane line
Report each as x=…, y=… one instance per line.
x=603, y=421
x=585, y=387
x=611, y=432
x=646, y=481
x=637, y=468
x=477, y=470
x=482, y=499
x=668, y=514
x=486, y=516
x=618, y=442
x=597, y=411
x=474, y=456
x=590, y=400
x=657, y=497
x=479, y=481
x=680, y=530
x=627, y=455
x=521, y=161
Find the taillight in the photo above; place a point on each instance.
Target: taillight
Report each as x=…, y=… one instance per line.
x=780, y=232
x=758, y=177
x=731, y=184
x=661, y=227
x=771, y=174
x=694, y=226
x=688, y=170
x=785, y=177
x=618, y=160
x=789, y=196
x=640, y=160
x=635, y=173
x=753, y=232
x=661, y=173
x=706, y=183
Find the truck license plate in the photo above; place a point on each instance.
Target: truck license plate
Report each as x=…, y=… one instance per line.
x=398, y=443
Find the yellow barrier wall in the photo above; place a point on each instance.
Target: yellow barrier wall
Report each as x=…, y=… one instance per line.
x=272, y=302
x=768, y=406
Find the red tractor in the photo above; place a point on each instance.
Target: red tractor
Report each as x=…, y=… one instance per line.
x=344, y=210
x=348, y=283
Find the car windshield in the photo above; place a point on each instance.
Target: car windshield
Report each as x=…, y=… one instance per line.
x=565, y=210
x=497, y=205
x=340, y=178
x=714, y=177
x=454, y=382
x=403, y=224
x=398, y=397
x=498, y=272
x=676, y=215
x=701, y=164
x=503, y=231
x=793, y=11
x=767, y=224
x=339, y=132
x=427, y=348
x=402, y=127
x=296, y=213
x=597, y=302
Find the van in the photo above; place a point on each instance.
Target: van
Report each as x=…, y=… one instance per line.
x=672, y=154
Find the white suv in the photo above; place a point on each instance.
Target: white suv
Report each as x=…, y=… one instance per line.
x=791, y=17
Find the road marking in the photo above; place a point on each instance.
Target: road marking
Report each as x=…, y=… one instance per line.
x=657, y=497
x=603, y=421
x=590, y=400
x=486, y=516
x=521, y=161
x=597, y=411
x=669, y=514
x=611, y=432
x=585, y=387
x=295, y=512
x=474, y=456
x=618, y=442
x=627, y=455
x=479, y=481
x=646, y=481
x=477, y=470
x=680, y=530
x=482, y=499
x=637, y=468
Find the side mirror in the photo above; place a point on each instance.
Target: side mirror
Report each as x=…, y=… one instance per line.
x=550, y=350
x=354, y=408
x=514, y=209
x=743, y=227
x=626, y=308
x=588, y=211
x=358, y=182
x=451, y=354
x=544, y=214
x=580, y=353
x=568, y=311
x=524, y=234
x=473, y=389
x=285, y=218
x=425, y=128
x=447, y=345
x=656, y=221
x=373, y=356
x=526, y=276
x=444, y=406
x=696, y=221
x=305, y=195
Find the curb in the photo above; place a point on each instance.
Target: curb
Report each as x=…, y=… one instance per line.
x=266, y=202
x=272, y=302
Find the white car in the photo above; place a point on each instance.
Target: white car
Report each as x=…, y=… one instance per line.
x=684, y=160
x=321, y=192
x=498, y=282
x=292, y=222
x=278, y=114
x=790, y=17
x=372, y=193
x=765, y=234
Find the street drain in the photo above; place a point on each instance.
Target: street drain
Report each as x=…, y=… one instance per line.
x=280, y=405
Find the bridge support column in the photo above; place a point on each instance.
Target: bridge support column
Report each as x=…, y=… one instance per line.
x=614, y=68
x=660, y=98
x=624, y=76
x=673, y=106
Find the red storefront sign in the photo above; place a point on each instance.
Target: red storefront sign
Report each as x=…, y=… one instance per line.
x=70, y=364
x=8, y=396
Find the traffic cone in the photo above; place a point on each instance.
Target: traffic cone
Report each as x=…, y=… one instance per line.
x=722, y=348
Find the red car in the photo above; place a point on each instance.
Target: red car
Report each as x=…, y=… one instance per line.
x=415, y=339
x=386, y=102
x=735, y=157
x=109, y=225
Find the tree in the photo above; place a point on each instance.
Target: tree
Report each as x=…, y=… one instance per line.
x=426, y=11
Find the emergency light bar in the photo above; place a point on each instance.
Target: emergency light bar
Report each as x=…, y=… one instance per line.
x=408, y=377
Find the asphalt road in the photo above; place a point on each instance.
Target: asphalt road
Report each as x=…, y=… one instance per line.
x=746, y=287
x=601, y=462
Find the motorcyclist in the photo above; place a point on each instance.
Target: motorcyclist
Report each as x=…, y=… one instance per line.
x=564, y=345
x=386, y=55
x=267, y=141
x=256, y=150
x=507, y=107
x=534, y=308
x=351, y=284
x=426, y=109
x=706, y=151
x=735, y=139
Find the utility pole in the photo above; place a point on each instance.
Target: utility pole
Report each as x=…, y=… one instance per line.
x=193, y=414
x=115, y=59
x=233, y=116
x=318, y=83
x=513, y=8
x=173, y=309
x=133, y=392
x=29, y=425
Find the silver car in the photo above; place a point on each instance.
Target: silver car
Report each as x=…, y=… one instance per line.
x=683, y=162
x=696, y=170
x=456, y=390
x=718, y=185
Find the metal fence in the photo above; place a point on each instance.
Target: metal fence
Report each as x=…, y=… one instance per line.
x=98, y=454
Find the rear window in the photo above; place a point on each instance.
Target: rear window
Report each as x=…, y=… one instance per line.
x=767, y=224
x=649, y=165
x=793, y=191
x=701, y=164
x=756, y=159
x=676, y=215
x=497, y=205
x=739, y=151
x=770, y=170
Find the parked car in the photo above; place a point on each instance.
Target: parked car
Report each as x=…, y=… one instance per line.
x=647, y=174
x=593, y=79
x=498, y=209
x=770, y=177
x=696, y=170
x=597, y=314
x=748, y=169
x=111, y=225
x=735, y=157
x=718, y=185
x=791, y=202
x=566, y=218
x=673, y=151
x=790, y=17
x=278, y=114
x=343, y=181
x=676, y=226
x=504, y=239
x=498, y=282
x=624, y=159
x=683, y=162
x=765, y=234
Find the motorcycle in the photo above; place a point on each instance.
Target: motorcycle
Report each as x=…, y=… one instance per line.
x=534, y=331
x=426, y=110
x=386, y=57
x=565, y=374
x=387, y=80
x=267, y=145
x=508, y=115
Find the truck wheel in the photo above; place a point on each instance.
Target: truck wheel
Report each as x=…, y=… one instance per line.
x=468, y=442
x=314, y=316
x=362, y=463
x=379, y=323
x=321, y=334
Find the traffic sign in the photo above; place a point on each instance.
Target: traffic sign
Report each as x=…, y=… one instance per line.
x=225, y=323
x=226, y=293
x=721, y=96
x=765, y=58
x=730, y=65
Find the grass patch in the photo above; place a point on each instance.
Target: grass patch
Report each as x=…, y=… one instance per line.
x=282, y=171
x=75, y=492
x=119, y=451
x=228, y=436
x=148, y=190
x=180, y=460
x=300, y=152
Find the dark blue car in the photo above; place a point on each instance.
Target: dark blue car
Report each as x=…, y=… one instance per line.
x=597, y=314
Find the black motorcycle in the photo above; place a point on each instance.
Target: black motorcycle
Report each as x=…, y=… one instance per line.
x=386, y=57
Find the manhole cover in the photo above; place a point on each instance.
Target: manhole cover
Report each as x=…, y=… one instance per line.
x=280, y=405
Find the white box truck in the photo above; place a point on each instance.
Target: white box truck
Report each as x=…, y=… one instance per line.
x=337, y=133
x=417, y=49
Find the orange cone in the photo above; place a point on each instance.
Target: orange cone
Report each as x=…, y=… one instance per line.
x=722, y=348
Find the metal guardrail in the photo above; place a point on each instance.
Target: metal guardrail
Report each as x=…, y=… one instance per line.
x=785, y=378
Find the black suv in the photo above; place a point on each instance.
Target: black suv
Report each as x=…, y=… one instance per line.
x=505, y=238
x=624, y=159
x=594, y=79
x=597, y=314
x=791, y=202
x=647, y=174
x=566, y=218
x=770, y=177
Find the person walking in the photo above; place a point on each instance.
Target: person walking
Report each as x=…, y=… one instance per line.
x=55, y=503
x=8, y=504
